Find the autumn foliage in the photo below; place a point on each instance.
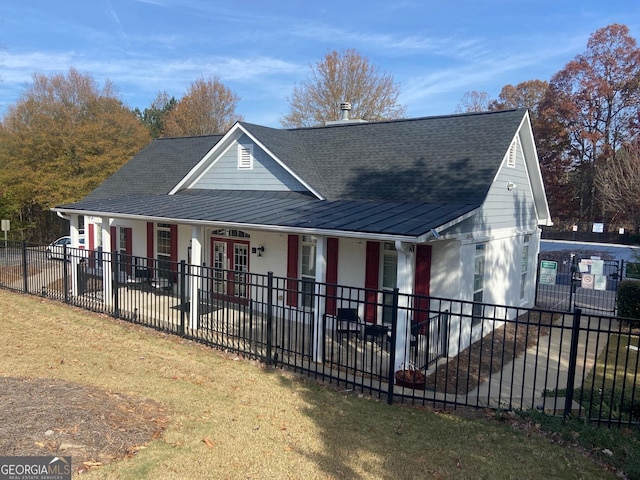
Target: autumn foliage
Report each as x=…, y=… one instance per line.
x=59, y=141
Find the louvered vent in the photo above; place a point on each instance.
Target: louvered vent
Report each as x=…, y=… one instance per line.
x=245, y=157
x=511, y=159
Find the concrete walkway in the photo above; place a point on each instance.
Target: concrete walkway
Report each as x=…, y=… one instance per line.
x=521, y=383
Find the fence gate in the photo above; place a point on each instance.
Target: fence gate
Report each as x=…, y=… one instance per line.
x=569, y=281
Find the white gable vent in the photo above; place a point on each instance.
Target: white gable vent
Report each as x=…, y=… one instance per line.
x=245, y=157
x=511, y=156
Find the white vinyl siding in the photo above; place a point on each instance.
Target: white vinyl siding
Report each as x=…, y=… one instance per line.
x=245, y=166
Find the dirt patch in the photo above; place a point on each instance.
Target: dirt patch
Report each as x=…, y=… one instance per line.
x=475, y=364
x=45, y=417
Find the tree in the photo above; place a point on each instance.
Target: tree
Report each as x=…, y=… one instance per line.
x=528, y=94
x=340, y=77
x=154, y=116
x=554, y=162
x=619, y=184
x=208, y=108
x=63, y=137
x=595, y=98
x=474, y=101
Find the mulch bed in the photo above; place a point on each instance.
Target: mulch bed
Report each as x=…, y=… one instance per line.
x=44, y=417
x=475, y=364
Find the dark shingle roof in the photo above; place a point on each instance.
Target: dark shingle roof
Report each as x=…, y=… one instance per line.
x=157, y=168
x=401, y=177
x=431, y=160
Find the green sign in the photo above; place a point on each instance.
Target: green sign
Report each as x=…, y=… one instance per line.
x=548, y=271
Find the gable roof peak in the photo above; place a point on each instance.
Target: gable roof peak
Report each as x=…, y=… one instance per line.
x=352, y=123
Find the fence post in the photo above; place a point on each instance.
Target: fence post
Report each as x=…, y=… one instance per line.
x=391, y=374
x=65, y=274
x=183, y=297
x=269, y=314
x=572, y=282
x=573, y=358
x=535, y=296
x=115, y=273
x=25, y=270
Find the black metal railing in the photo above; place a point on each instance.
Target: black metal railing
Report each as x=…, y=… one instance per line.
x=398, y=347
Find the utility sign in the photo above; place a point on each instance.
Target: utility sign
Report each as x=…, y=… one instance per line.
x=5, y=225
x=548, y=272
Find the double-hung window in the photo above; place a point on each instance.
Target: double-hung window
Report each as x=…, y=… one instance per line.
x=478, y=282
x=525, y=266
x=389, y=279
x=163, y=250
x=308, y=270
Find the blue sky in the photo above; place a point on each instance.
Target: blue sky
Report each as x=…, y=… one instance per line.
x=436, y=50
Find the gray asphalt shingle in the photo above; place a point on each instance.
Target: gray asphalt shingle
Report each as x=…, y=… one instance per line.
x=401, y=177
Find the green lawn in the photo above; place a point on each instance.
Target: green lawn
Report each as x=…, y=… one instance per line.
x=233, y=418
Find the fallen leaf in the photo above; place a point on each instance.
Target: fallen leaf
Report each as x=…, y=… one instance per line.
x=208, y=442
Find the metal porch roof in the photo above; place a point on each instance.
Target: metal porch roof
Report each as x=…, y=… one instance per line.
x=278, y=212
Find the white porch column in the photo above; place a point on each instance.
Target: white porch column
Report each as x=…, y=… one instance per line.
x=197, y=242
x=319, y=298
x=74, y=233
x=107, y=259
x=406, y=275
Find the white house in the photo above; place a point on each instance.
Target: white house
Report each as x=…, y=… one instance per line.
x=445, y=206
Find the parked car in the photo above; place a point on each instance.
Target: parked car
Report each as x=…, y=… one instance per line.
x=55, y=250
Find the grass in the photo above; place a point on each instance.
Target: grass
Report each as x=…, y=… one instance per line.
x=613, y=383
x=233, y=418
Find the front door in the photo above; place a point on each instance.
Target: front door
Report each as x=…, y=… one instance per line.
x=230, y=259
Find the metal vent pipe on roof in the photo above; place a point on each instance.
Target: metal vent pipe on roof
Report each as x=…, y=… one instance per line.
x=345, y=107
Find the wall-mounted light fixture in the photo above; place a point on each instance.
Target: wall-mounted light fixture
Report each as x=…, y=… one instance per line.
x=260, y=250
x=511, y=186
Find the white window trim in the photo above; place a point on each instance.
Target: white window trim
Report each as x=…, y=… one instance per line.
x=245, y=156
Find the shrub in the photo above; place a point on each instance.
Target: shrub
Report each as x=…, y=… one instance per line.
x=629, y=300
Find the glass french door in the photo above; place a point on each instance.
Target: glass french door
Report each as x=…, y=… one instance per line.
x=230, y=259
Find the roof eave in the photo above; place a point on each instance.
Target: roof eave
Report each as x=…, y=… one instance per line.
x=247, y=226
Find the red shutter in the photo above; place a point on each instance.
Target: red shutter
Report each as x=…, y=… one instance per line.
x=113, y=232
x=292, y=270
x=150, y=248
x=128, y=239
x=173, y=233
x=92, y=245
x=422, y=287
x=92, y=238
x=150, y=231
x=332, y=275
x=372, y=281
x=128, y=247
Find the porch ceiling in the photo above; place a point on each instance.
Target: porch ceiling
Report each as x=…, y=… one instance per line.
x=277, y=211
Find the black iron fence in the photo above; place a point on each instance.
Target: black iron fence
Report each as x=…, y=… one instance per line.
x=402, y=348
